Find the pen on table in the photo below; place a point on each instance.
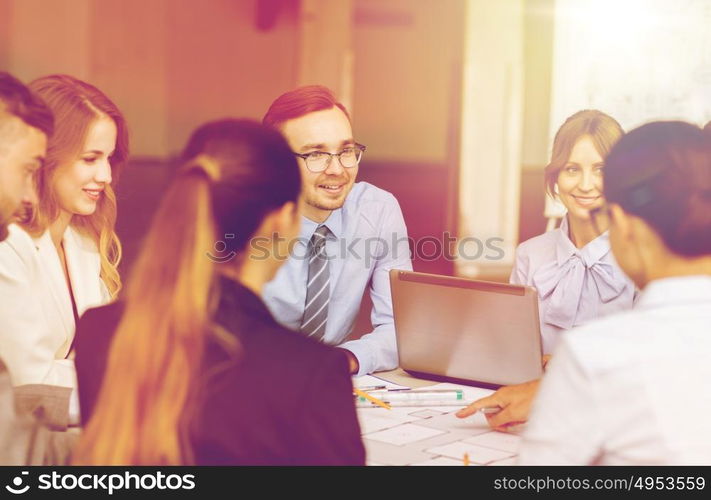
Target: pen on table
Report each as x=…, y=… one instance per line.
x=372, y=388
x=439, y=397
x=371, y=398
x=422, y=395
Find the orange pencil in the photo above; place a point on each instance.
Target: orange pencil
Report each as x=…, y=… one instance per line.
x=371, y=398
x=466, y=459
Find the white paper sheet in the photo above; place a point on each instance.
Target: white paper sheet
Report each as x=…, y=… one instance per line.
x=403, y=434
x=477, y=454
x=497, y=440
x=471, y=394
x=432, y=435
x=440, y=461
x=371, y=381
x=427, y=413
x=371, y=421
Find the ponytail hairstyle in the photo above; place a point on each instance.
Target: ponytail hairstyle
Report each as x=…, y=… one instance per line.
x=76, y=105
x=661, y=172
x=237, y=172
x=603, y=130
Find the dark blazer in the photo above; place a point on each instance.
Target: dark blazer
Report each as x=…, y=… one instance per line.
x=283, y=399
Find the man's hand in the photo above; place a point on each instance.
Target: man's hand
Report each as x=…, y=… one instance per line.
x=353, y=364
x=514, y=401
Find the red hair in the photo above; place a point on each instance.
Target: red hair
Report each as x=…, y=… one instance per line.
x=76, y=105
x=299, y=102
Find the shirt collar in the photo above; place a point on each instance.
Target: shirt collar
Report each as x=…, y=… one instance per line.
x=590, y=253
x=675, y=290
x=334, y=223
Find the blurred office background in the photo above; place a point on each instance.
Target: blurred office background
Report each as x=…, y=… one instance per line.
x=456, y=100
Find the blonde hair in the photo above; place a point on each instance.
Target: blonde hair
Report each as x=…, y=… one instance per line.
x=241, y=172
x=172, y=275
x=76, y=105
x=603, y=130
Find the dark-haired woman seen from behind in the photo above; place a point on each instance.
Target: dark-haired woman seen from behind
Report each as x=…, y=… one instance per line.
x=198, y=371
x=633, y=388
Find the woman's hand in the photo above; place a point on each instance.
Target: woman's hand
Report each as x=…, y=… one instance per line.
x=514, y=401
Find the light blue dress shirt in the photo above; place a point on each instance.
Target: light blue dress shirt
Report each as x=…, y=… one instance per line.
x=368, y=238
x=575, y=285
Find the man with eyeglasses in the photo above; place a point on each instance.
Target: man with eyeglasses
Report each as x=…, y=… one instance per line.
x=352, y=234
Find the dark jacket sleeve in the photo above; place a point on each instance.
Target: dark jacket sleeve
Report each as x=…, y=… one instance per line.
x=327, y=421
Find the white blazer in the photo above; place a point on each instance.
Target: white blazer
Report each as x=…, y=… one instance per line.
x=36, y=317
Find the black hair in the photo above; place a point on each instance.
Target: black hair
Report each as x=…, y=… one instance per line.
x=17, y=100
x=259, y=174
x=661, y=172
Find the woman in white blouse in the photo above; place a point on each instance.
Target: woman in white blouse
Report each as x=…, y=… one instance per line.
x=62, y=259
x=571, y=267
x=633, y=388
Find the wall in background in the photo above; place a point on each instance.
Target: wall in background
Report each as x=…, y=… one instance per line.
x=220, y=64
x=49, y=37
x=129, y=60
x=5, y=35
x=406, y=81
x=169, y=69
x=404, y=54
x=535, y=145
x=492, y=124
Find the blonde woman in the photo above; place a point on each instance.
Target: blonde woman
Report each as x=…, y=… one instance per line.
x=62, y=258
x=571, y=267
x=193, y=368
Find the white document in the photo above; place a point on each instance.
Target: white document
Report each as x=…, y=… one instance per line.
x=477, y=454
x=403, y=434
x=432, y=435
x=372, y=381
x=470, y=426
x=471, y=394
x=427, y=413
x=440, y=461
x=373, y=421
x=497, y=440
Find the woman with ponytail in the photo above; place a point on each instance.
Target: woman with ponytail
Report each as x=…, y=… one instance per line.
x=632, y=389
x=191, y=368
x=62, y=258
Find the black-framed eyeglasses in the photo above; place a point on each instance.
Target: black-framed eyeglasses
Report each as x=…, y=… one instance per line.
x=318, y=161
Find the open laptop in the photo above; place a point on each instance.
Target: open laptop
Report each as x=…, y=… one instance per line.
x=466, y=331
